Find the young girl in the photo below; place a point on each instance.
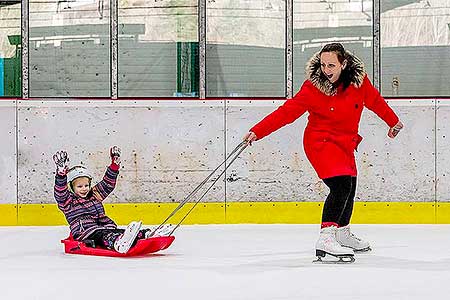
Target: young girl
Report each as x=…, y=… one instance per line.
x=335, y=93
x=82, y=205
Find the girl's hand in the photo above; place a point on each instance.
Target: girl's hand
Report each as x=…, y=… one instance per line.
x=114, y=153
x=62, y=162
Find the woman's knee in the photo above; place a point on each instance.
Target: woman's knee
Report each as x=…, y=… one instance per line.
x=341, y=187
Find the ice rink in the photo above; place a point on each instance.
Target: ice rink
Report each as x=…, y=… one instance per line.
x=231, y=262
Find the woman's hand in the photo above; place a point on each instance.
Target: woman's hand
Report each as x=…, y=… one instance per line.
x=392, y=133
x=250, y=137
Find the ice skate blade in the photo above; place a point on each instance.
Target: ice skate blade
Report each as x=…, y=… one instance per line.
x=341, y=259
x=368, y=249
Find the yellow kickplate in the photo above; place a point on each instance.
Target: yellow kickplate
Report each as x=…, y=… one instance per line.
x=236, y=213
x=8, y=215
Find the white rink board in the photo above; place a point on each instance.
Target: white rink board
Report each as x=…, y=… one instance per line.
x=167, y=146
x=170, y=146
x=8, y=156
x=276, y=168
x=443, y=151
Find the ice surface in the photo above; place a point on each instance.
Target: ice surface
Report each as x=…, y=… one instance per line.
x=231, y=262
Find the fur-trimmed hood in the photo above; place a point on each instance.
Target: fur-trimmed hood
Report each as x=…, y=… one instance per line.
x=355, y=70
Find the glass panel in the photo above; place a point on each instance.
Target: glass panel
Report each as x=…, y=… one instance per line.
x=245, y=52
x=318, y=22
x=158, y=48
x=10, y=49
x=415, y=47
x=69, y=49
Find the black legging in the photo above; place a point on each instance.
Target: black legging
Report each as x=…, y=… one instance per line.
x=338, y=206
x=105, y=238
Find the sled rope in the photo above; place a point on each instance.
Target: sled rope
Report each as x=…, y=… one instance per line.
x=234, y=155
x=210, y=187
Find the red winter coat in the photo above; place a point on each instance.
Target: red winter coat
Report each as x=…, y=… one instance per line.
x=331, y=135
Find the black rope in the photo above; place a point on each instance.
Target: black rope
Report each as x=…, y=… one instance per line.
x=191, y=194
x=204, y=194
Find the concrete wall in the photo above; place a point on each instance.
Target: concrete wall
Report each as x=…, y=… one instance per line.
x=276, y=169
x=442, y=150
x=170, y=146
x=8, y=153
x=167, y=147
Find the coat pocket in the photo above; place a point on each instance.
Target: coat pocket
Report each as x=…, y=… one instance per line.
x=356, y=140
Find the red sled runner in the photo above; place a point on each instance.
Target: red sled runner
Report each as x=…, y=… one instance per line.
x=142, y=247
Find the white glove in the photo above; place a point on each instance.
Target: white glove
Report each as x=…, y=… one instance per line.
x=114, y=152
x=62, y=162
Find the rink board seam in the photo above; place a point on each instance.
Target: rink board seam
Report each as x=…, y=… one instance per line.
x=236, y=213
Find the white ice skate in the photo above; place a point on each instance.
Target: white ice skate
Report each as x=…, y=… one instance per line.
x=164, y=230
x=327, y=244
x=124, y=242
x=347, y=239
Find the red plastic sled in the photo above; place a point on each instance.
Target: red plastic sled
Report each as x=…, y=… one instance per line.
x=142, y=247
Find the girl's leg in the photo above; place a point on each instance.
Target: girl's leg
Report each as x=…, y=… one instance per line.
x=142, y=234
x=106, y=237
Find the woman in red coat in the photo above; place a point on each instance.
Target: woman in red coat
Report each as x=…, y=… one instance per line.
x=335, y=93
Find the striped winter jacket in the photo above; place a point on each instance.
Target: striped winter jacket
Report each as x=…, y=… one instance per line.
x=86, y=215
